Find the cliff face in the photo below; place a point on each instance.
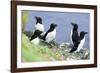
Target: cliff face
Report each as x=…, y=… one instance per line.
x=50, y=52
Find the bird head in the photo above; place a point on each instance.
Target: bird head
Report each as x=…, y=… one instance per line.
x=38, y=20
x=75, y=26
x=82, y=34
x=53, y=25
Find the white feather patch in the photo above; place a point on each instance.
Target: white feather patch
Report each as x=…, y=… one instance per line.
x=36, y=41
x=80, y=45
x=51, y=36
x=39, y=27
x=42, y=34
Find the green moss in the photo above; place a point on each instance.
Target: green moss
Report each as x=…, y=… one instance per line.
x=43, y=52
x=32, y=53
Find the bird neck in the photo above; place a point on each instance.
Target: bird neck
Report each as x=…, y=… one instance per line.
x=39, y=22
x=74, y=29
x=51, y=29
x=81, y=37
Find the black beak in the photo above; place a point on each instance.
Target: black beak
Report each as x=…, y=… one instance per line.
x=56, y=25
x=85, y=32
x=36, y=17
x=72, y=24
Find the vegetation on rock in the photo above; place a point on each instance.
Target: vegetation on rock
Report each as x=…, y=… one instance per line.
x=45, y=52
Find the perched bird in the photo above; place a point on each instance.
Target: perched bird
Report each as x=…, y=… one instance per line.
x=50, y=34
x=74, y=33
x=79, y=44
x=39, y=25
x=35, y=37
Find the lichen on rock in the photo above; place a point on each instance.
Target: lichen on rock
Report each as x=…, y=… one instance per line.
x=50, y=51
x=81, y=55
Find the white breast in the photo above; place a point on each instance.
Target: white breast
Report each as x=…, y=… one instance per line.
x=39, y=27
x=51, y=36
x=81, y=45
x=35, y=41
x=42, y=34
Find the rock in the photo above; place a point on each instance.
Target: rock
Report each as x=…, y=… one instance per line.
x=64, y=49
x=64, y=45
x=28, y=33
x=81, y=55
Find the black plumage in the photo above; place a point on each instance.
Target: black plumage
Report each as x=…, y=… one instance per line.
x=75, y=35
x=79, y=43
x=75, y=46
x=36, y=34
x=52, y=27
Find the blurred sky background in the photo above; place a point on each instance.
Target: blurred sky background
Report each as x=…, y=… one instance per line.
x=63, y=20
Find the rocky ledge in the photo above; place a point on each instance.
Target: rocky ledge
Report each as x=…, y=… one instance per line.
x=64, y=49
x=83, y=54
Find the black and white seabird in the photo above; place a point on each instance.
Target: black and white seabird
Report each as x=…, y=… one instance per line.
x=39, y=25
x=79, y=44
x=74, y=33
x=50, y=34
x=35, y=37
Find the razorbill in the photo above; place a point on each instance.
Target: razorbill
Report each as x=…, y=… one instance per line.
x=74, y=33
x=79, y=44
x=39, y=25
x=50, y=34
x=35, y=37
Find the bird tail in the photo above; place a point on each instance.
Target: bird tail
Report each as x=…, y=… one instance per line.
x=73, y=49
x=30, y=39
